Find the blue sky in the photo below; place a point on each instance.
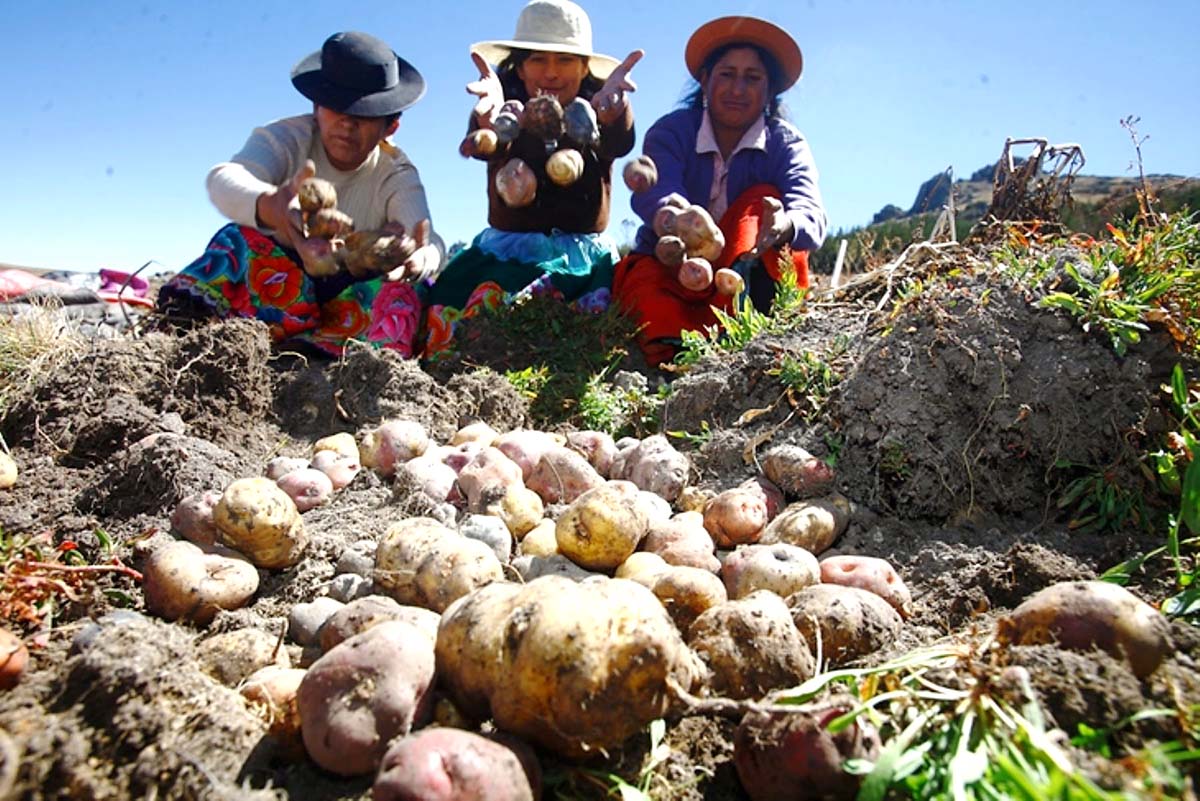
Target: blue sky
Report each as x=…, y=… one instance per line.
x=114, y=111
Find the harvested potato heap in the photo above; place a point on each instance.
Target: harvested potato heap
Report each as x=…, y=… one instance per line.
x=332, y=243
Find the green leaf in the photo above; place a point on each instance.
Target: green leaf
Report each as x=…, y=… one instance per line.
x=1189, y=501
x=1179, y=391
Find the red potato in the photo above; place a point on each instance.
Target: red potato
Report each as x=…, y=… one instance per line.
x=654, y=465
x=487, y=478
x=456, y=457
x=597, y=447
x=14, y=656
x=871, y=574
x=280, y=466
x=782, y=569
x=516, y=184
x=526, y=447
x=792, y=756
x=429, y=475
x=695, y=274
x=664, y=221
x=369, y=689
x=670, y=250
x=183, y=582
x=192, y=518
x=1081, y=615
x=340, y=469
x=640, y=174
x=392, y=443
x=797, y=472
x=682, y=540
x=371, y=610
x=728, y=281
x=562, y=475
x=738, y=516
x=446, y=764
x=307, y=487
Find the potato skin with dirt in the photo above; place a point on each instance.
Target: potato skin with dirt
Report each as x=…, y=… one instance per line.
x=183, y=582
x=446, y=764
x=793, y=756
x=14, y=656
x=257, y=518
x=602, y=527
x=813, y=525
x=367, y=690
x=1080, y=615
x=751, y=646
x=846, y=622
x=420, y=562
x=571, y=666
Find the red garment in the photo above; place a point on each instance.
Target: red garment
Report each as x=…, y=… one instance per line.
x=651, y=294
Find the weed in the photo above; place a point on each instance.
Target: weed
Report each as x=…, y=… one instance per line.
x=33, y=345
x=810, y=378
x=1099, y=500
x=628, y=408
x=893, y=459
x=696, y=440
x=529, y=381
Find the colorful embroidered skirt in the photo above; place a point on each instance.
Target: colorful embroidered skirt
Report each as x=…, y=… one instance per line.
x=501, y=268
x=244, y=273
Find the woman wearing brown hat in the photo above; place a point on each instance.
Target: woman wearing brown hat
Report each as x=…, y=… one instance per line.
x=546, y=225
x=730, y=151
x=263, y=266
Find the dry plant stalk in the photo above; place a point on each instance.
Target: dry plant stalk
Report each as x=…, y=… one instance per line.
x=35, y=343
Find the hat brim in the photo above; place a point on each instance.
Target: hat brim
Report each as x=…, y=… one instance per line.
x=745, y=30
x=308, y=80
x=495, y=52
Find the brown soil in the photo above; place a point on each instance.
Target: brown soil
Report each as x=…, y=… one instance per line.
x=953, y=411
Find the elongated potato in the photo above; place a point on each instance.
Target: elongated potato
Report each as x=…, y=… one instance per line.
x=813, y=525
x=562, y=475
x=1080, y=615
x=572, y=666
x=183, y=582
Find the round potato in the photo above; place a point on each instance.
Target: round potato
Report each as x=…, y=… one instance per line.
x=183, y=582
x=841, y=623
x=601, y=528
x=257, y=518
x=782, y=569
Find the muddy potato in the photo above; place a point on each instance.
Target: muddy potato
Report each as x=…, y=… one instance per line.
x=793, y=756
x=183, y=582
x=339, y=468
x=664, y=221
x=14, y=657
x=369, y=689
x=447, y=764
x=231, y=656
x=487, y=478
x=683, y=540
x=739, y=516
x=308, y=488
x=782, y=569
x=601, y=528
x=257, y=518
x=695, y=273
x=871, y=574
x=687, y=592
x=371, y=610
x=643, y=567
x=1081, y=615
x=654, y=465
x=814, y=524
x=8, y=471
x=671, y=251
x=694, y=499
x=797, y=472
x=562, y=475
x=420, y=562
x=329, y=224
x=270, y=692
x=573, y=667
x=543, y=117
x=192, y=517
x=315, y=194
x=841, y=623
x=392, y=443
x=597, y=447
x=751, y=646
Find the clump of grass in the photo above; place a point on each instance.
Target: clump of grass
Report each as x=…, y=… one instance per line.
x=34, y=344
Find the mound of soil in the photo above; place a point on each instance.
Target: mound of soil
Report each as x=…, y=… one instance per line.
x=953, y=416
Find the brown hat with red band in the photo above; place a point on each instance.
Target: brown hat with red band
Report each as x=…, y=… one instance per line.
x=745, y=30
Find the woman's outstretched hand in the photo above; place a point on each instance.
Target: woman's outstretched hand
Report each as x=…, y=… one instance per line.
x=488, y=90
x=610, y=100
x=424, y=261
x=279, y=211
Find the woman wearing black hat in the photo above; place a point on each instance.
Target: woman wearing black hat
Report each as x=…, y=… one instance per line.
x=730, y=152
x=261, y=265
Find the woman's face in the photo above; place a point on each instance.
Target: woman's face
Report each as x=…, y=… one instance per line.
x=559, y=74
x=348, y=140
x=737, y=89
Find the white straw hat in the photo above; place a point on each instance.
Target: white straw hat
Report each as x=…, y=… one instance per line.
x=555, y=26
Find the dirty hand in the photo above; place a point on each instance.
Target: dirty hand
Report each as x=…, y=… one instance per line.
x=776, y=228
x=424, y=261
x=489, y=91
x=278, y=210
x=610, y=100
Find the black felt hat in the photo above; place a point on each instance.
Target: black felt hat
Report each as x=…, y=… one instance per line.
x=356, y=73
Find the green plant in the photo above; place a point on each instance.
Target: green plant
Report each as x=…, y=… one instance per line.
x=565, y=782
x=1098, y=500
x=893, y=459
x=698, y=439
x=619, y=410
x=809, y=377
x=529, y=381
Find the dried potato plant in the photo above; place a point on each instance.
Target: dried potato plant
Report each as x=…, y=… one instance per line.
x=35, y=343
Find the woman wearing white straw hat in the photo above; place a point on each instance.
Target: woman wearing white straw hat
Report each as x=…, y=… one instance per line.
x=730, y=151
x=549, y=183
x=264, y=266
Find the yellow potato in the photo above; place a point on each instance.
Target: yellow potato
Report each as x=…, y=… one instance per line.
x=257, y=518
x=602, y=527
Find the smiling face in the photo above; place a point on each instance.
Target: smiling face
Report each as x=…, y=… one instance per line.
x=737, y=89
x=560, y=74
x=348, y=140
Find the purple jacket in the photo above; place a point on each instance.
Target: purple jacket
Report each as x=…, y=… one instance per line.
x=787, y=165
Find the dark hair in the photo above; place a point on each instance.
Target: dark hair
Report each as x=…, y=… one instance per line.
x=514, y=87
x=694, y=94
